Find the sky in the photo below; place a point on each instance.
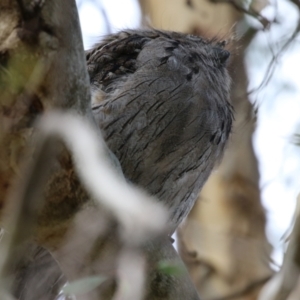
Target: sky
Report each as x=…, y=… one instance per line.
x=278, y=120
x=121, y=14
x=278, y=103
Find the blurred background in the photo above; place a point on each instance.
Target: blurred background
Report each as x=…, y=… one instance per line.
x=250, y=199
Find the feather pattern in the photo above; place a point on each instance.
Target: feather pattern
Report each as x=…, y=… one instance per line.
x=162, y=102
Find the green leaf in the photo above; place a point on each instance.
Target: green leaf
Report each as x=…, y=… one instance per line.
x=83, y=286
x=170, y=268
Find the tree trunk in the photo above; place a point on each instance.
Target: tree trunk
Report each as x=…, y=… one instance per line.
x=43, y=68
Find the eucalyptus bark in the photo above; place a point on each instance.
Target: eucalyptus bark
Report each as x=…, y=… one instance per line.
x=42, y=68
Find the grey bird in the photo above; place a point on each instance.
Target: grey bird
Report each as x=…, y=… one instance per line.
x=161, y=100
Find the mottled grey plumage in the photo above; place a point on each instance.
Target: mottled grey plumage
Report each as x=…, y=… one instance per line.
x=161, y=100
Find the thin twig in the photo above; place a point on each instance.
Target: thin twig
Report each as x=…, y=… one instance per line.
x=272, y=64
x=251, y=12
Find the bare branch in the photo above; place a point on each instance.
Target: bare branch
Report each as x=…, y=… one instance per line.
x=250, y=11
